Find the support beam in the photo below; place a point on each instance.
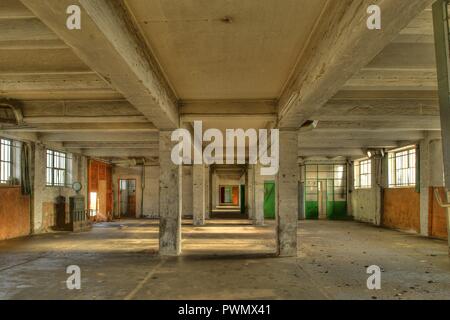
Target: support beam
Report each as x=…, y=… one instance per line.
x=329, y=152
x=119, y=55
x=38, y=121
x=287, y=190
x=340, y=46
x=204, y=110
x=349, y=135
x=355, y=126
x=98, y=136
x=379, y=110
x=170, y=199
x=109, y=145
x=23, y=82
x=325, y=143
x=393, y=79
x=85, y=127
x=24, y=30
x=122, y=153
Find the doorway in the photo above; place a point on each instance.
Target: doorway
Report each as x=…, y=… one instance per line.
x=127, y=198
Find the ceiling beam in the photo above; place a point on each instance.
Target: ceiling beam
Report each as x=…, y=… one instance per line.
x=342, y=135
x=204, y=110
x=121, y=153
x=378, y=110
x=85, y=127
x=417, y=124
x=329, y=152
x=98, y=136
x=73, y=81
x=340, y=46
x=74, y=119
x=13, y=9
x=110, y=145
x=363, y=143
x=393, y=79
x=25, y=30
x=119, y=55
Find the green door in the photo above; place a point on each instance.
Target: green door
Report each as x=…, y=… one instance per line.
x=269, y=200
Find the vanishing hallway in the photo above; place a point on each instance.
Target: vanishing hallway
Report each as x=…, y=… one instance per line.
x=225, y=260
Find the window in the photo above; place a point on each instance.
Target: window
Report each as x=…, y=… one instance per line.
x=57, y=168
x=402, y=168
x=363, y=174
x=6, y=161
x=9, y=162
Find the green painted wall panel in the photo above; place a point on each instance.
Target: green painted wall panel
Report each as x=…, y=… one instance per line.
x=311, y=210
x=337, y=210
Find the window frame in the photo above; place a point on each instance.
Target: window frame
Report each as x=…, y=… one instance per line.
x=10, y=161
x=367, y=165
x=57, y=166
x=409, y=171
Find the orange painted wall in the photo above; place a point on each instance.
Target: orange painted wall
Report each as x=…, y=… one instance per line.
x=437, y=218
x=401, y=209
x=14, y=213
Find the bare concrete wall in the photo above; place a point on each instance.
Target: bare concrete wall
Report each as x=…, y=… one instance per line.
x=151, y=192
x=44, y=196
x=365, y=206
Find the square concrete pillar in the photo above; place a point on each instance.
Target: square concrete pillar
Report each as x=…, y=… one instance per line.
x=287, y=188
x=198, y=193
x=258, y=217
x=170, y=200
x=207, y=192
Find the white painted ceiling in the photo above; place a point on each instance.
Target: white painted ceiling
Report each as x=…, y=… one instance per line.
x=250, y=56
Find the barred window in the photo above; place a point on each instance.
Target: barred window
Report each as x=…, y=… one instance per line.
x=402, y=168
x=363, y=174
x=57, y=164
x=6, y=161
x=9, y=162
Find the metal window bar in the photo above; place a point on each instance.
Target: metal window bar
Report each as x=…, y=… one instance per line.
x=6, y=161
x=402, y=171
x=56, y=168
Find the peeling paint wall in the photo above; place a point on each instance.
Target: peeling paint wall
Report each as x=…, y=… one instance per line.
x=437, y=222
x=14, y=213
x=402, y=209
x=365, y=206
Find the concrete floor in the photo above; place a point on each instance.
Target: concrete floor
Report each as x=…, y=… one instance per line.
x=228, y=259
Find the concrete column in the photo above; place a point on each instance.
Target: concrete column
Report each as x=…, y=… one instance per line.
x=207, y=192
x=198, y=194
x=424, y=153
x=377, y=189
x=258, y=217
x=287, y=188
x=251, y=192
x=170, y=200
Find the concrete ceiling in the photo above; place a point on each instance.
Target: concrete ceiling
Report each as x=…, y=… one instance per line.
x=228, y=63
x=232, y=49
